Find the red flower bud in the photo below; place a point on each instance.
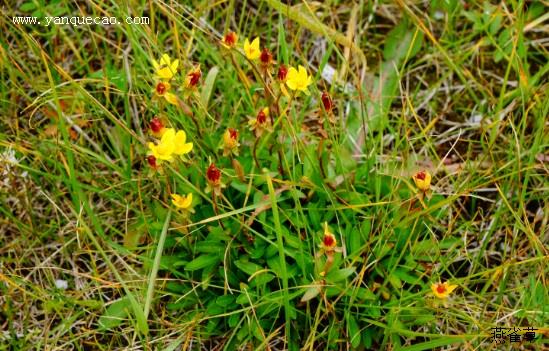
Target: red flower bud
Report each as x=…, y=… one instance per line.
x=261, y=117
x=421, y=175
x=156, y=125
x=161, y=88
x=327, y=101
x=233, y=133
x=282, y=72
x=213, y=174
x=329, y=240
x=265, y=57
x=194, y=78
x=152, y=161
x=230, y=39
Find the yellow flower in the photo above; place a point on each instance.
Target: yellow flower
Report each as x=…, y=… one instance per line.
x=230, y=142
x=229, y=40
x=297, y=79
x=171, y=143
x=165, y=148
x=166, y=69
x=252, y=50
x=329, y=241
x=181, y=147
x=422, y=180
x=193, y=77
x=183, y=202
x=260, y=122
x=442, y=290
x=162, y=89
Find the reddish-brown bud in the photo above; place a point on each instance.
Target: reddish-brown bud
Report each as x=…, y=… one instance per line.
x=213, y=174
x=261, y=117
x=156, y=125
x=329, y=240
x=282, y=73
x=230, y=39
x=266, y=57
x=193, y=78
x=161, y=88
x=327, y=101
x=152, y=161
x=233, y=133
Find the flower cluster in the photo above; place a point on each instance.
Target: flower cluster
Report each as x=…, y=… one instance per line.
x=296, y=79
x=165, y=70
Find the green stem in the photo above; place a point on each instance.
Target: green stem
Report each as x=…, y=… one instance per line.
x=156, y=265
x=281, y=255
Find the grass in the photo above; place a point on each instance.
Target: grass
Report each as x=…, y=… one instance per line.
x=458, y=89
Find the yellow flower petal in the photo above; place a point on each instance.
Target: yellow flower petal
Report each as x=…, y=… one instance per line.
x=174, y=66
x=252, y=50
x=181, y=147
x=180, y=137
x=169, y=136
x=171, y=98
x=165, y=60
x=165, y=69
x=184, y=149
x=442, y=290
x=188, y=200
x=292, y=73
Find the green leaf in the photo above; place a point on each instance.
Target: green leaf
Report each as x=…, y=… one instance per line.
x=405, y=276
x=27, y=7
x=353, y=331
x=363, y=294
x=395, y=281
x=354, y=241
x=340, y=274
x=225, y=300
x=282, y=45
x=202, y=261
x=247, y=267
x=432, y=344
x=208, y=86
x=310, y=293
x=115, y=314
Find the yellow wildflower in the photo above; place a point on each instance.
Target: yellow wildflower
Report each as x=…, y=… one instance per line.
x=229, y=40
x=230, y=142
x=252, y=50
x=193, y=77
x=183, y=202
x=297, y=79
x=162, y=89
x=329, y=241
x=181, y=147
x=422, y=180
x=260, y=122
x=443, y=290
x=165, y=148
x=167, y=68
